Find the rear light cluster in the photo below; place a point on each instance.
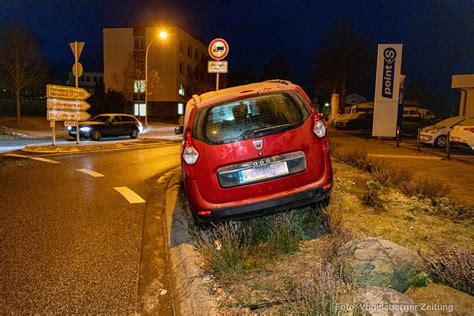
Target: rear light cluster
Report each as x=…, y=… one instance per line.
x=319, y=128
x=190, y=155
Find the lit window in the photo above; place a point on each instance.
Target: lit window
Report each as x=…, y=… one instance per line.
x=180, y=108
x=139, y=109
x=139, y=86
x=181, y=90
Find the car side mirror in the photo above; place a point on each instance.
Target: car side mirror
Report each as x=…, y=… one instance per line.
x=179, y=130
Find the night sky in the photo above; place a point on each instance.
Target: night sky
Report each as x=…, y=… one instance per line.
x=438, y=36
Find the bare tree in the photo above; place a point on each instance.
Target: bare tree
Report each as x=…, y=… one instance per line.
x=21, y=63
x=200, y=81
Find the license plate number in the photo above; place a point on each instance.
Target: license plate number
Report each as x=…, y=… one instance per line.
x=257, y=173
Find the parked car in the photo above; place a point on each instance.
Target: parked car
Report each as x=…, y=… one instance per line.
x=462, y=135
x=109, y=124
x=252, y=150
x=437, y=134
x=360, y=120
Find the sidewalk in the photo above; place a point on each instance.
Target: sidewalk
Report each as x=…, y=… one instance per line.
x=458, y=174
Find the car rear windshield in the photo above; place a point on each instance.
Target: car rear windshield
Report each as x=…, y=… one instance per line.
x=251, y=117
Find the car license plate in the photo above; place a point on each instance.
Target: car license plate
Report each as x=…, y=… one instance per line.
x=257, y=173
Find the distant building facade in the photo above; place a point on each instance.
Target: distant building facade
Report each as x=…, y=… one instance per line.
x=88, y=80
x=465, y=85
x=170, y=61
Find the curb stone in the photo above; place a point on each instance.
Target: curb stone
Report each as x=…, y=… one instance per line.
x=191, y=293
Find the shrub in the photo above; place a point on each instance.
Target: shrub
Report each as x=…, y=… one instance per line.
x=371, y=197
x=388, y=175
x=424, y=188
x=453, y=267
x=358, y=159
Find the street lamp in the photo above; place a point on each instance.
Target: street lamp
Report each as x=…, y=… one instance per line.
x=161, y=35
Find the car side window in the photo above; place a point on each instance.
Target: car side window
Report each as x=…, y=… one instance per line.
x=115, y=119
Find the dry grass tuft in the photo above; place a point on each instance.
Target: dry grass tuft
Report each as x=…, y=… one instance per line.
x=339, y=234
x=424, y=188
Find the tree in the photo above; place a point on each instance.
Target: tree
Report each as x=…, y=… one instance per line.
x=276, y=68
x=345, y=63
x=21, y=62
x=199, y=80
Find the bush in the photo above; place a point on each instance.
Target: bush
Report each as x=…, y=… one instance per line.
x=358, y=159
x=388, y=175
x=424, y=188
x=371, y=197
x=453, y=267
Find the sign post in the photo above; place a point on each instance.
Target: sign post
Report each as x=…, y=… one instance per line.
x=76, y=48
x=218, y=50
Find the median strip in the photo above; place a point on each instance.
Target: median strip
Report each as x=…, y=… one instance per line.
x=16, y=155
x=131, y=196
x=91, y=173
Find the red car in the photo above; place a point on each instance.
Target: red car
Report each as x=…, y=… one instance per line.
x=253, y=150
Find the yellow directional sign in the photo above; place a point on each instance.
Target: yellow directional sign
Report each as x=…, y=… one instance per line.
x=66, y=92
x=69, y=105
x=58, y=115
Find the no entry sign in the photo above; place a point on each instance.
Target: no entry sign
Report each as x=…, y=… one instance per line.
x=218, y=49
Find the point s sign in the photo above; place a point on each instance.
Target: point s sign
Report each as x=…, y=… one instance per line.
x=388, y=71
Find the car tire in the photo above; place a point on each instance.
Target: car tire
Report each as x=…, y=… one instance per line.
x=134, y=133
x=441, y=141
x=96, y=135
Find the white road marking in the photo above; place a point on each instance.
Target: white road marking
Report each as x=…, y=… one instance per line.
x=91, y=173
x=405, y=156
x=16, y=155
x=131, y=196
x=44, y=160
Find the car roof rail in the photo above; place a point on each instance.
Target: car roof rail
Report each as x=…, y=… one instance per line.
x=287, y=82
x=196, y=98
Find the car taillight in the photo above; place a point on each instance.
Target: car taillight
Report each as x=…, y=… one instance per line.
x=319, y=128
x=469, y=129
x=190, y=155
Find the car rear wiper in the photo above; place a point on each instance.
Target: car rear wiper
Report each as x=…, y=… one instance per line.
x=266, y=129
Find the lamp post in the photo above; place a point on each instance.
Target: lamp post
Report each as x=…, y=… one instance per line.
x=162, y=35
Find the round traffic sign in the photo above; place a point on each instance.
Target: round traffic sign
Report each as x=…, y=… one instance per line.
x=79, y=69
x=218, y=49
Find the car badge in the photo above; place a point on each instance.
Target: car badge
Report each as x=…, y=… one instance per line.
x=258, y=144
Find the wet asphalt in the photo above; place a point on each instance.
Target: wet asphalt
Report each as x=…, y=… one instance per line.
x=69, y=242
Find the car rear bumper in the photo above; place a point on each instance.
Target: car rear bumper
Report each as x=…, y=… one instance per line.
x=300, y=197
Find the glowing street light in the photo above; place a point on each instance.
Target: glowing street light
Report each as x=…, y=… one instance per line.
x=162, y=35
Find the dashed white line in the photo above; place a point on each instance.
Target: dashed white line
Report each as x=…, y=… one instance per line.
x=131, y=196
x=44, y=160
x=91, y=173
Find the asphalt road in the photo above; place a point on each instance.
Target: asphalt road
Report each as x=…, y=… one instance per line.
x=70, y=242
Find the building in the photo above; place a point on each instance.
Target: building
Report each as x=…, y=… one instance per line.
x=465, y=85
x=170, y=61
x=88, y=80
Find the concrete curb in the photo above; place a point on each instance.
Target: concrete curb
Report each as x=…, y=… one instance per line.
x=191, y=291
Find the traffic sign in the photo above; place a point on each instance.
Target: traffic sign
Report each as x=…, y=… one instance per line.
x=68, y=105
x=217, y=66
x=218, y=49
x=71, y=123
x=80, y=69
x=59, y=115
x=80, y=46
x=66, y=92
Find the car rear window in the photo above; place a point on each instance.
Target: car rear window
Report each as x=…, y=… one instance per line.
x=251, y=117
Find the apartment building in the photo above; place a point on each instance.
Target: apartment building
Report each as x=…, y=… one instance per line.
x=170, y=61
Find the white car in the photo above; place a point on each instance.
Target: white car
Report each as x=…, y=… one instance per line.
x=462, y=135
x=437, y=134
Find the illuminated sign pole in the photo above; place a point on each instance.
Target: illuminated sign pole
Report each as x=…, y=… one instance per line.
x=387, y=84
x=218, y=50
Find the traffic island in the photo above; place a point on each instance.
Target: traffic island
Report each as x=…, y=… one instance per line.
x=288, y=264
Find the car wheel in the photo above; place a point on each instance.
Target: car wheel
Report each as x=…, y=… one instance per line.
x=440, y=141
x=96, y=134
x=134, y=133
